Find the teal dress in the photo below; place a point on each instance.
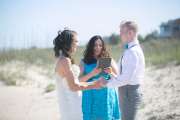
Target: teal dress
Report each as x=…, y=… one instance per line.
x=99, y=104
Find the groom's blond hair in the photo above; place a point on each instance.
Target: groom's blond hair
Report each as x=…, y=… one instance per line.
x=130, y=26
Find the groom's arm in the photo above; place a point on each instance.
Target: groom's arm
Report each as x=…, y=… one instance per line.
x=128, y=72
x=124, y=78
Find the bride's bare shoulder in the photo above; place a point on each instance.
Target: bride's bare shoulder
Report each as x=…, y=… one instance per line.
x=63, y=62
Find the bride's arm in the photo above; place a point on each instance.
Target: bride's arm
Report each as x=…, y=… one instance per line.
x=65, y=64
x=83, y=77
x=90, y=83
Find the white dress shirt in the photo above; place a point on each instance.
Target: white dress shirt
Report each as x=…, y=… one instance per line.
x=133, y=67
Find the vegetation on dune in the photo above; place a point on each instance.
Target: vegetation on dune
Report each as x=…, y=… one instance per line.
x=157, y=53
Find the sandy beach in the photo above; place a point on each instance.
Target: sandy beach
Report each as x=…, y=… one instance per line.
x=161, y=89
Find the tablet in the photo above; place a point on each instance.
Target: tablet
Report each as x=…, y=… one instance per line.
x=103, y=63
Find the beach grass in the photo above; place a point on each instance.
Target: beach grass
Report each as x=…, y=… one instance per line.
x=50, y=87
x=157, y=53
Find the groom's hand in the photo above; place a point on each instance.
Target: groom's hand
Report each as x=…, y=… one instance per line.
x=103, y=82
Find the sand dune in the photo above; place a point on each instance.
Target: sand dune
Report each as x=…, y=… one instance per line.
x=30, y=102
x=161, y=94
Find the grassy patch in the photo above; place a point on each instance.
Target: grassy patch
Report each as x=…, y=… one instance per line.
x=50, y=87
x=143, y=105
x=157, y=52
x=12, y=78
x=161, y=52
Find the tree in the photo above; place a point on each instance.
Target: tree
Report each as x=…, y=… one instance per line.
x=151, y=35
x=114, y=39
x=106, y=39
x=140, y=38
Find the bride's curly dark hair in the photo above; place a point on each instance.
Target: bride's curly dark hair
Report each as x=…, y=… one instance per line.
x=89, y=52
x=63, y=43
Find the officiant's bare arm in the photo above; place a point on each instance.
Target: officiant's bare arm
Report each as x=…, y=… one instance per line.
x=83, y=77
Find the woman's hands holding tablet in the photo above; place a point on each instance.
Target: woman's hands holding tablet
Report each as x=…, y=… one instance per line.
x=108, y=70
x=96, y=71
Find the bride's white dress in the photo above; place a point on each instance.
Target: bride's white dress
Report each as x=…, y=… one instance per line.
x=69, y=102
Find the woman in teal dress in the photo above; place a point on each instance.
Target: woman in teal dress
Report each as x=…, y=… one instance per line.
x=98, y=104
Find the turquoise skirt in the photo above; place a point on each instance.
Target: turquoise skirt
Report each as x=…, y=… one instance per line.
x=100, y=104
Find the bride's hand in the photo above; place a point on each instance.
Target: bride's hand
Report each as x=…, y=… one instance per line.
x=96, y=80
x=96, y=83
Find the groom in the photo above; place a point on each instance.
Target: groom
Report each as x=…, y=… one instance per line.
x=130, y=72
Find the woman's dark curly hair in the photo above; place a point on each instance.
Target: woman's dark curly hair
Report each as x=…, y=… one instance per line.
x=89, y=52
x=63, y=43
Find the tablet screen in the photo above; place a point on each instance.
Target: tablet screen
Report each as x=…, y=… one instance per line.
x=103, y=63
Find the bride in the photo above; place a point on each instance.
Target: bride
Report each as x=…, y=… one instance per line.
x=66, y=73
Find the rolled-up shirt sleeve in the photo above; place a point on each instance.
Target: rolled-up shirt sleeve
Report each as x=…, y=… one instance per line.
x=130, y=67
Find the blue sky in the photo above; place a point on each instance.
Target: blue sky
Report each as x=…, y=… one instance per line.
x=36, y=22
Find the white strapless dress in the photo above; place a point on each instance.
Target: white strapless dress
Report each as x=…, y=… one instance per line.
x=69, y=101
